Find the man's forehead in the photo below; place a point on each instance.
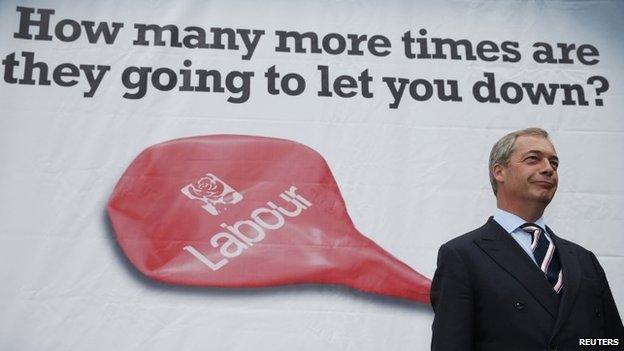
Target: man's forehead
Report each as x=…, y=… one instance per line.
x=528, y=143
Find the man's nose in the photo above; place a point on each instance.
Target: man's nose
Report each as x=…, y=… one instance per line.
x=547, y=167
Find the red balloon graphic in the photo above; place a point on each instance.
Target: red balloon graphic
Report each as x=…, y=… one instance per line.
x=246, y=211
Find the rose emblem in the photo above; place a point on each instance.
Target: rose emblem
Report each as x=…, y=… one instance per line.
x=207, y=187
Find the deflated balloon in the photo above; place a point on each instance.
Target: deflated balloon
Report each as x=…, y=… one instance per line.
x=246, y=211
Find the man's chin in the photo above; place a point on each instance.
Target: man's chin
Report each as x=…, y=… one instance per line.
x=544, y=198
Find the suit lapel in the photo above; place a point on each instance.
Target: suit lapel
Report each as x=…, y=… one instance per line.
x=506, y=252
x=571, y=278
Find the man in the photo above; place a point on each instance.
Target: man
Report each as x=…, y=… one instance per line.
x=513, y=284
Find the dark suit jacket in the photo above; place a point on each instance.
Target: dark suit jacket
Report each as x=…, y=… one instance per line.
x=488, y=294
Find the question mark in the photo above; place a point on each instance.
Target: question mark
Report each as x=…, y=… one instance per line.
x=604, y=86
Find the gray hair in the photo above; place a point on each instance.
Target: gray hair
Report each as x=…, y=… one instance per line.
x=502, y=150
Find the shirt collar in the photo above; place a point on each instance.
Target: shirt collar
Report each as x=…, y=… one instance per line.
x=510, y=222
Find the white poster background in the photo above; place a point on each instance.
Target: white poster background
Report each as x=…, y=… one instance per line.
x=412, y=177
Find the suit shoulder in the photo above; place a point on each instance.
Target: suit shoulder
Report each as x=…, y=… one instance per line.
x=578, y=249
x=466, y=239
x=574, y=246
x=586, y=256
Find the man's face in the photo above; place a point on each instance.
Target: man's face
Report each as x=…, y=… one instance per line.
x=531, y=174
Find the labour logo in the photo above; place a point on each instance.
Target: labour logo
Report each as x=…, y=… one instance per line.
x=212, y=192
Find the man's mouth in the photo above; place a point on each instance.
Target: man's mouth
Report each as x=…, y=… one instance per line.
x=544, y=183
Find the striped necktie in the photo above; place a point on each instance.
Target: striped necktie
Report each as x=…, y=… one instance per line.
x=546, y=255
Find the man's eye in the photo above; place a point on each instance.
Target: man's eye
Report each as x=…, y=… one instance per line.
x=554, y=164
x=531, y=159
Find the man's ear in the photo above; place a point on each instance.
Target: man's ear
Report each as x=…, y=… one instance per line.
x=498, y=171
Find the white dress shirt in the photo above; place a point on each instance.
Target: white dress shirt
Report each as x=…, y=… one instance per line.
x=511, y=223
